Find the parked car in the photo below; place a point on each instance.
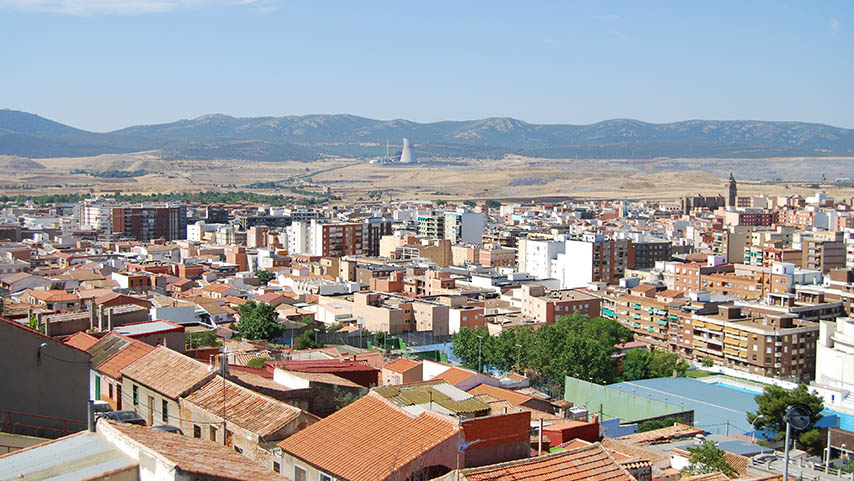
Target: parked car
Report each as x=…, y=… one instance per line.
x=124, y=417
x=101, y=407
x=168, y=428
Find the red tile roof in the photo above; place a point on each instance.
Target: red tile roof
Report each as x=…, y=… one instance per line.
x=455, y=375
x=331, y=365
x=134, y=350
x=678, y=430
x=368, y=439
x=401, y=365
x=194, y=456
x=168, y=372
x=81, y=340
x=248, y=409
x=513, y=397
x=585, y=463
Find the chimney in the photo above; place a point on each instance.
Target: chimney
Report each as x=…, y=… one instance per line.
x=109, y=320
x=46, y=325
x=540, y=440
x=90, y=415
x=100, y=317
x=92, y=315
x=595, y=418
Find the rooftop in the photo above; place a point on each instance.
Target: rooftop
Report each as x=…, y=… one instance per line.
x=168, y=372
x=433, y=395
x=358, y=442
x=148, y=327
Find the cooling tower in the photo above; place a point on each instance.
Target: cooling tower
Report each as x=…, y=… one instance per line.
x=407, y=156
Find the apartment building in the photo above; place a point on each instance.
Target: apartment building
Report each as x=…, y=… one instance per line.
x=316, y=237
x=148, y=222
x=645, y=253
x=594, y=258
x=546, y=305
x=463, y=226
x=823, y=251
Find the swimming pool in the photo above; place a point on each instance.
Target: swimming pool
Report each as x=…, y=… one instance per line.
x=846, y=421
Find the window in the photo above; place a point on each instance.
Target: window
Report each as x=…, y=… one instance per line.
x=324, y=477
x=110, y=389
x=197, y=431
x=299, y=474
x=135, y=395
x=277, y=467
x=212, y=433
x=165, y=411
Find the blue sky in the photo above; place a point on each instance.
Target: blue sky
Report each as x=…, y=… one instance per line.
x=108, y=64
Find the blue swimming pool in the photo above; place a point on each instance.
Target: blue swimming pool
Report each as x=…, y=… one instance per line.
x=846, y=421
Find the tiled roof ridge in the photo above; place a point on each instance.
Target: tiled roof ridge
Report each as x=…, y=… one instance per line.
x=515, y=462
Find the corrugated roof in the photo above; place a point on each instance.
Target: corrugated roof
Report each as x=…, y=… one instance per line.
x=248, y=409
x=425, y=393
x=106, y=348
x=196, y=456
x=168, y=372
x=585, y=463
x=77, y=457
x=368, y=439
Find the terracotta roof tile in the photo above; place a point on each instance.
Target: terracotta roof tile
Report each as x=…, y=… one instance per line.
x=585, y=463
x=358, y=442
x=455, y=375
x=630, y=449
x=678, y=430
x=513, y=397
x=81, y=340
x=717, y=476
x=401, y=365
x=168, y=372
x=130, y=353
x=248, y=409
x=197, y=456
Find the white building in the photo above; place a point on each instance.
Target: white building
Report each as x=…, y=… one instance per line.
x=463, y=226
x=835, y=356
x=535, y=256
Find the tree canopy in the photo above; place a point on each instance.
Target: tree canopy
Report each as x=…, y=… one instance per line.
x=575, y=345
x=264, y=277
x=646, y=364
x=707, y=458
x=773, y=403
x=258, y=321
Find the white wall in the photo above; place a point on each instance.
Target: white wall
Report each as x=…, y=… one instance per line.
x=574, y=267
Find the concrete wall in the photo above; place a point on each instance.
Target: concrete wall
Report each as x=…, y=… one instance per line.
x=151, y=412
x=54, y=384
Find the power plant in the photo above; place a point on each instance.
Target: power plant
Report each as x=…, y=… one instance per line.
x=407, y=156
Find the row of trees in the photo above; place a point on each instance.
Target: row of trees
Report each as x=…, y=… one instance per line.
x=575, y=345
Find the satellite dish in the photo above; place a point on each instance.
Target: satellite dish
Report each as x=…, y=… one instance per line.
x=798, y=417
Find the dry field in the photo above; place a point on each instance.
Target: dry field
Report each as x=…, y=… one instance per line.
x=512, y=177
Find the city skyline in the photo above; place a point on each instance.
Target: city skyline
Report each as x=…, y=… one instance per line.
x=141, y=62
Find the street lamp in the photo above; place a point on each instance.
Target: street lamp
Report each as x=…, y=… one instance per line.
x=753, y=434
x=479, y=363
x=797, y=417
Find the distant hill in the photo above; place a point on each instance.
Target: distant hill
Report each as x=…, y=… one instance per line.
x=306, y=137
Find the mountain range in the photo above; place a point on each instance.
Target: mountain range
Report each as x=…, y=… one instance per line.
x=309, y=137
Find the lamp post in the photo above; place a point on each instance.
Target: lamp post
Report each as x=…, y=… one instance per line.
x=479, y=363
x=797, y=417
x=753, y=434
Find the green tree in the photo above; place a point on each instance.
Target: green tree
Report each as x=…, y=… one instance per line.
x=708, y=362
x=258, y=362
x=441, y=202
x=636, y=364
x=196, y=340
x=258, y=321
x=264, y=277
x=493, y=204
x=644, y=364
x=469, y=203
x=773, y=403
x=379, y=339
x=653, y=424
x=305, y=340
x=344, y=397
x=707, y=458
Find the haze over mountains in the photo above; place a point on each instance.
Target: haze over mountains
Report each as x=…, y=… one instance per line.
x=308, y=137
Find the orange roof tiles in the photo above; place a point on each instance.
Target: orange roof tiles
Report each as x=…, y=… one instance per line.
x=359, y=442
x=716, y=476
x=401, y=365
x=678, y=430
x=585, y=463
x=134, y=350
x=168, y=372
x=455, y=375
x=513, y=397
x=248, y=409
x=195, y=456
x=81, y=341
